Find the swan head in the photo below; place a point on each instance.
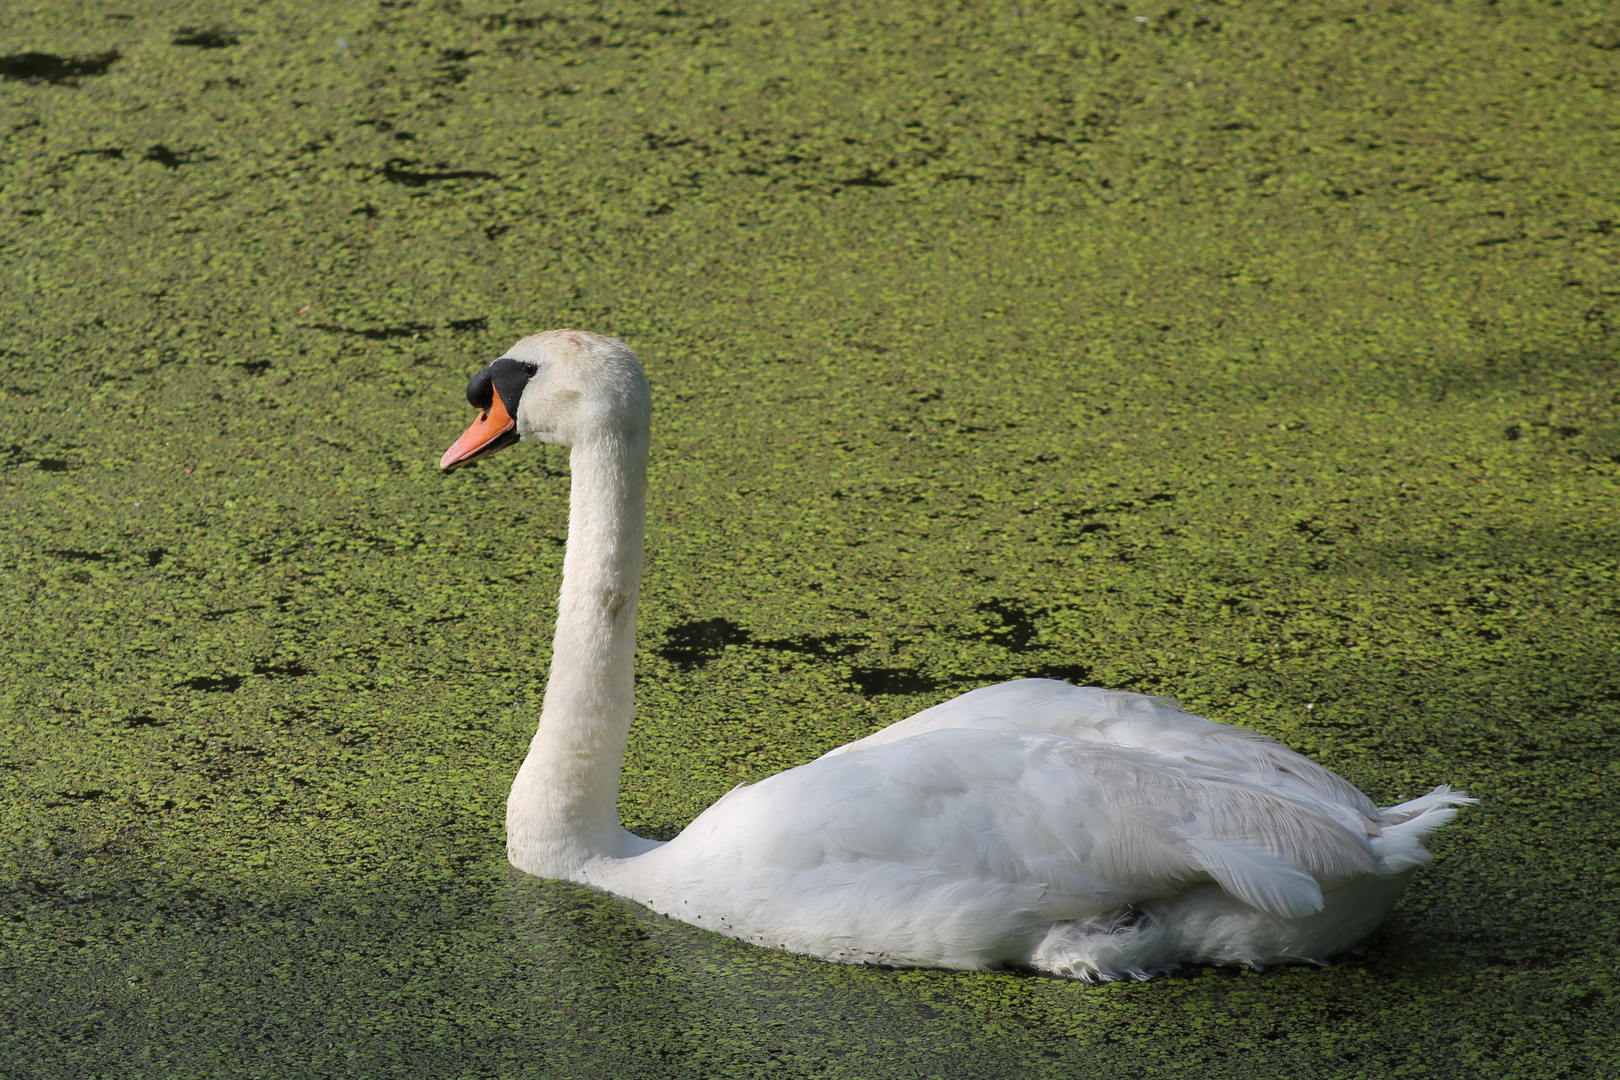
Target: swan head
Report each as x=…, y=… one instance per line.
x=563, y=386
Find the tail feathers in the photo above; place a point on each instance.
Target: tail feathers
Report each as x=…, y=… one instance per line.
x=1400, y=844
x=1440, y=799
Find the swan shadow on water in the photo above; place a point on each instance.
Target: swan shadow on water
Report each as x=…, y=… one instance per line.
x=1078, y=831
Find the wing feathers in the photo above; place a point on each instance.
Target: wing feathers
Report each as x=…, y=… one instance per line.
x=1257, y=877
x=1099, y=825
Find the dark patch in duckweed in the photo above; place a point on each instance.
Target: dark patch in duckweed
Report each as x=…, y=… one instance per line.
x=867, y=179
x=825, y=646
x=88, y=795
x=18, y=455
x=1078, y=674
x=172, y=159
x=1016, y=629
x=882, y=682
x=219, y=613
x=376, y=333
x=292, y=669
x=395, y=172
x=77, y=555
x=387, y=128
x=698, y=642
x=453, y=70
x=37, y=67
x=213, y=684
x=206, y=37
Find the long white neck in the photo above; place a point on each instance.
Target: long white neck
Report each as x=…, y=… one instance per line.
x=563, y=808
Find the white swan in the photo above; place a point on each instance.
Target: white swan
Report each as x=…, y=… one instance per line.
x=1084, y=832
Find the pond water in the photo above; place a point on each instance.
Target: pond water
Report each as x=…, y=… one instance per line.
x=1259, y=355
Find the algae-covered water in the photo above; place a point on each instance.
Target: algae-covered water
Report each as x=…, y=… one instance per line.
x=1264, y=355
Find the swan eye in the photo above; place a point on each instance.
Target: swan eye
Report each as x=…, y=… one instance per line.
x=529, y=367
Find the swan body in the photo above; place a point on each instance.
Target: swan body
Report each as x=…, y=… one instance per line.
x=1085, y=832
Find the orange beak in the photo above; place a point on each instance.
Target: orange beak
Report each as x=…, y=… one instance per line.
x=494, y=430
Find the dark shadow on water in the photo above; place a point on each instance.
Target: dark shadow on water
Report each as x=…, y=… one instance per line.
x=698, y=642
x=479, y=973
x=879, y=682
x=36, y=67
x=463, y=977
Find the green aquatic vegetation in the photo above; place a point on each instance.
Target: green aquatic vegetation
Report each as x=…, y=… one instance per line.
x=1261, y=355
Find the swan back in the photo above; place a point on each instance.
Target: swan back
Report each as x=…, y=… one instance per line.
x=1155, y=726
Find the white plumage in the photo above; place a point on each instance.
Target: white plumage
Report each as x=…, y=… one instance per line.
x=1086, y=832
